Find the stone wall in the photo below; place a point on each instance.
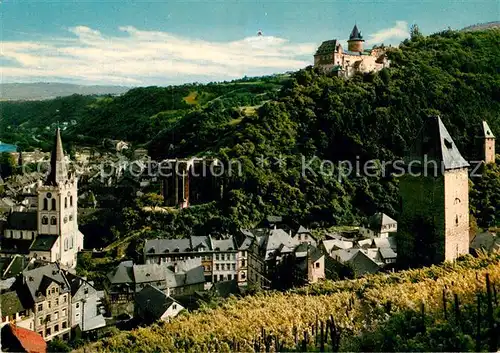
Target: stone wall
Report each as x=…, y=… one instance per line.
x=456, y=187
x=489, y=150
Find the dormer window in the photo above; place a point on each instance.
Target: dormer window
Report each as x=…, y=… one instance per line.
x=448, y=144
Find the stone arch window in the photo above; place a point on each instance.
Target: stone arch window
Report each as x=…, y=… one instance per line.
x=45, y=220
x=45, y=204
x=456, y=220
x=53, y=221
x=457, y=201
x=53, y=204
x=65, y=219
x=71, y=201
x=70, y=217
x=65, y=202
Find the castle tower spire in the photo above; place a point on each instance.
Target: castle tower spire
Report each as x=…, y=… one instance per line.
x=355, y=42
x=58, y=169
x=489, y=144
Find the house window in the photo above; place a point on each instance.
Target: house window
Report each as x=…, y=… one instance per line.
x=77, y=305
x=57, y=301
x=53, y=204
x=64, y=325
x=53, y=221
x=64, y=299
x=49, y=304
x=70, y=217
x=174, y=306
x=48, y=332
x=216, y=267
x=40, y=333
x=63, y=313
x=53, y=290
x=317, y=264
x=56, y=328
x=71, y=201
x=45, y=204
x=217, y=256
x=40, y=307
x=45, y=220
x=230, y=277
x=243, y=275
x=234, y=267
x=243, y=263
x=221, y=277
x=40, y=321
x=47, y=318
x=56, y=315
x=32, y=235
x=65, y=202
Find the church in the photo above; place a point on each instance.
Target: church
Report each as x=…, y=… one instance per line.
x=49, y=232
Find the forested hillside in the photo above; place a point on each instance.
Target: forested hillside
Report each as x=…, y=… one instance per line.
x=285, y=119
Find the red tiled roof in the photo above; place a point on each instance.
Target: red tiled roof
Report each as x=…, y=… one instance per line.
x=31, y=341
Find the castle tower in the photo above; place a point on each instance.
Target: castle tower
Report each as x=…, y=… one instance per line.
x=57, y=207
x=355, y=42
x=435, y=198
x=489, y=144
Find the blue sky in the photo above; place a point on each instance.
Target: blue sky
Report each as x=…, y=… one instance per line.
x=170, y=42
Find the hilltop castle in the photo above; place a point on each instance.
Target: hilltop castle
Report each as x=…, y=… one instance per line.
x=332, y=58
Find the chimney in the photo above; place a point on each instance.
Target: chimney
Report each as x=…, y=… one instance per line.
x=176, y=268
x=168, y=291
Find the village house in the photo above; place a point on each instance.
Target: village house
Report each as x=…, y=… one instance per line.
x=152, y=304
x=379, y=225
x=178, y=279
x=19, y=339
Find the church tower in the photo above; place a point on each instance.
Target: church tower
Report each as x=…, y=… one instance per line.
x=57, y=207
x=435, y=198
x=489, y=144
x=355, y=42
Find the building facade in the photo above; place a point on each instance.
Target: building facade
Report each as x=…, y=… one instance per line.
x=50, y=232
x=332, y=58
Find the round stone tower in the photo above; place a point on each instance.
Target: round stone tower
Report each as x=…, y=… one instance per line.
x=355, y=42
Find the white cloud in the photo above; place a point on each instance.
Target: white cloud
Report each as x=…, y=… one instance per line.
x=390, y=35
x=148, y=57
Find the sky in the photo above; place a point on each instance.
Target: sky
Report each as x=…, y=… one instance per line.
x=140, y=43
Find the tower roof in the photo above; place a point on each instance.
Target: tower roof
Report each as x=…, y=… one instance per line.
x=355, y=34
x=435, y=142
x=487, y=131
x=58, y=170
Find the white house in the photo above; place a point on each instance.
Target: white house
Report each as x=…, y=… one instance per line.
x=152, y=304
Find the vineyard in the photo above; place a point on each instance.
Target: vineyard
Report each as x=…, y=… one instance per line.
x=448, y=307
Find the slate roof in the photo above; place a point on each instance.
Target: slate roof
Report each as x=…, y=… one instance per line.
x=246, y=243
x=153, y=302
x=487, y=131
x=31, y=341
x=149, y=273
x=275, y=239
x=303, y=230
x=327, y=47
x=224, y=244
x=364, y=243
x=487, y=241
x=389, y=242
x=40, y=277
x=435, y=141
x=387, y=253
x=332, y=244
x=15, y=246
x=161, y=246
x=22, y=221
x=378, y=220
x=44, y=242
x=355, y=34
x=363, y=264
x=226, y=288
x=203, y=241
x=10, y=303
x=123, y=273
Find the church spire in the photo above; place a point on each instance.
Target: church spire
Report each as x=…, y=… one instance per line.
x=58, y=170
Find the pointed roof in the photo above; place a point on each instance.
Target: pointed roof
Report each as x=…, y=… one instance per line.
x=487, y=131
x=435, y=142
x=30, y=341
x=58, y=170
x=355, y=34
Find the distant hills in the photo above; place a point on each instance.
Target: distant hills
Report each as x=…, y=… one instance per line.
x=50, y=90
x=482, y=26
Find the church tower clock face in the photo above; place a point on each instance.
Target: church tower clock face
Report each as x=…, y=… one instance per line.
x=49, y=195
